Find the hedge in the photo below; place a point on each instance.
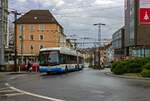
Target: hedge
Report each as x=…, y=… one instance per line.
x=136, y=65
x=147, y=66
x=119, y=68
x=145, y=73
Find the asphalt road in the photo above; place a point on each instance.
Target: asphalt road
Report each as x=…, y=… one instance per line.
x=86, y=85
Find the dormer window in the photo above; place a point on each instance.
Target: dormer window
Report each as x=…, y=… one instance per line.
x=35, y=18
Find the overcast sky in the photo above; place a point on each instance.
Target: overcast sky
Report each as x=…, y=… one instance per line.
x=78, y=16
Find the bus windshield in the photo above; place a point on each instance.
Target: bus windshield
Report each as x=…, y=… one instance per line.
x=49, y=58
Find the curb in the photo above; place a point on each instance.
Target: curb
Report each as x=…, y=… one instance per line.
x=126, y=77
x=17, y=73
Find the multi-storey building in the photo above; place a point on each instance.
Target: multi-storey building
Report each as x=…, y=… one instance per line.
x=118, y=44
x=109, y=53
x=35, y=30
x=3, y=29
x=137, y=41
x=69, y=44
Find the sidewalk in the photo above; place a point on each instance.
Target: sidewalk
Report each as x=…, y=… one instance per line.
x=4, y=75
x=11, y=73
x=15, y=73
x=1, y=77
x=2, y=80
x=109, y=73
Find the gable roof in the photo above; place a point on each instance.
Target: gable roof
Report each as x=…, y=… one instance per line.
x=37, y=17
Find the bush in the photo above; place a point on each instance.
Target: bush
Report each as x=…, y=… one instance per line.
x=114, y=64
x=119, y=68
x=133, y=67
x=147, y=66
x=145, y=73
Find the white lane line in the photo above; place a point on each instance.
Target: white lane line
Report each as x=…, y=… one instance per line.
x=5, y=91
x=98, y=92
x=4, y=88
x=32, y=94
x=14, y=94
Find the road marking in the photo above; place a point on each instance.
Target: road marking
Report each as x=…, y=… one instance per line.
x=6, y=91
x=97, y=92
x=4, y=88
x=14, y=94
x=32, y=94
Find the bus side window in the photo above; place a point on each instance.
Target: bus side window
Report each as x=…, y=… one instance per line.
x=62, y=59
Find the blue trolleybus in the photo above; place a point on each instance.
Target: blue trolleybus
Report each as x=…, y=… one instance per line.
x=60, y=60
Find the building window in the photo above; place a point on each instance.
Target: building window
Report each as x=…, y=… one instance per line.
x=31, y=47
x=21, y=28
x=31, y=37
x=42, y=27
x=41, y=46
x=60, y=30
x=35, y=18
x=21, y=37
x=31, y=28
x=41, y=37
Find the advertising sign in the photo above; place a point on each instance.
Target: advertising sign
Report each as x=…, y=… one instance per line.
x=144, y=12
x=144, y=15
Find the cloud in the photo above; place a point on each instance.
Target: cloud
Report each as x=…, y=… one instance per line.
x=78, y=16
x=103, y=2
x=21, y=0
x=50, y=2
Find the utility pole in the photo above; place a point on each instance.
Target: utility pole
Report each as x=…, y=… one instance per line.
x=99, y=40
x=1, y=42
x=15, y=37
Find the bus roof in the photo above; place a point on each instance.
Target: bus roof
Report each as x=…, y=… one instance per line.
x=62, y=50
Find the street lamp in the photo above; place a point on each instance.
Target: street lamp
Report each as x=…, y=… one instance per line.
x=99, y=40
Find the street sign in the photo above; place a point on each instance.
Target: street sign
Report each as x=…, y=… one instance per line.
x=144, y=15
